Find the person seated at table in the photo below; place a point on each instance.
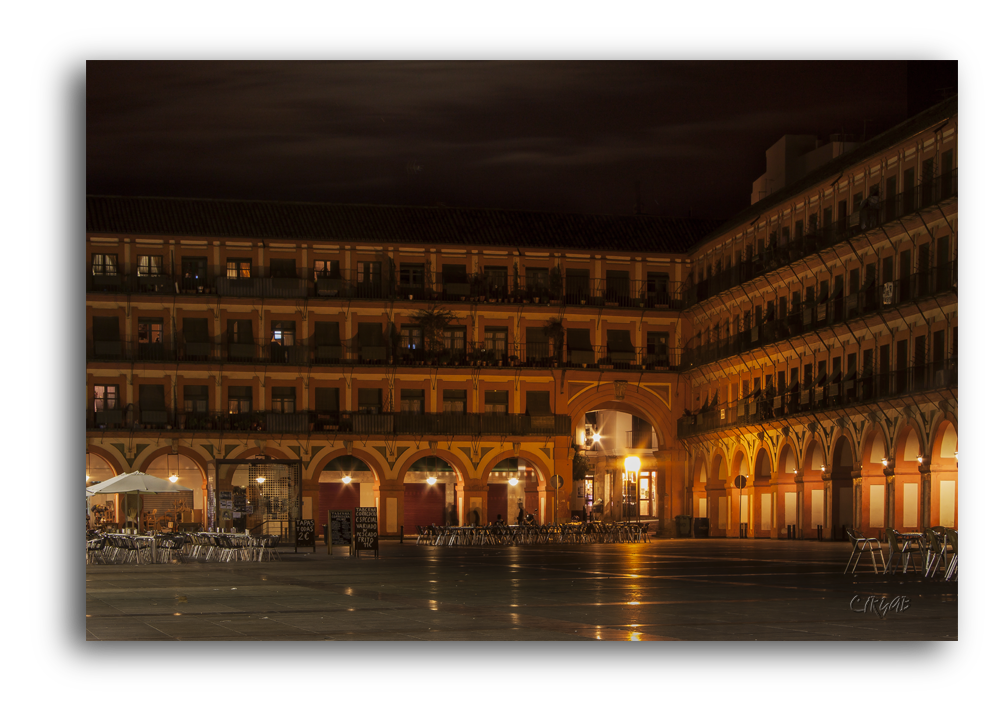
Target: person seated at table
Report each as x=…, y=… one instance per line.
x=500, y=521
x=530, y=520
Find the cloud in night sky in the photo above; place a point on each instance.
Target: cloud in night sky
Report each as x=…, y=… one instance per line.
x=563, y=136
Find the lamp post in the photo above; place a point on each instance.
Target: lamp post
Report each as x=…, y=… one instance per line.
x=632, y=466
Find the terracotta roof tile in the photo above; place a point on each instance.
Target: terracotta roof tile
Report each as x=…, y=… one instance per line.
x=379, y=224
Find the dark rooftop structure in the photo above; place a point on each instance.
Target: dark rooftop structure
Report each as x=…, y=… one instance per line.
x=938, y=114
x=394, y=224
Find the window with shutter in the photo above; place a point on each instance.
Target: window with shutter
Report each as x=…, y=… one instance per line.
x=240, y=400
x=577, y=283
x=538, y=403
x=327, y=333
x=370, y=401
x=238, y=269
x=327, y=400
x=195, y=398
x=455, y=401
x=326, y=270
x=149, y=266
x=104, y=264
x=578, y=346
x=283, y=400
x=496, y=401
x=152, y=406
x=411, y=401
x=105, y=397
x=195, y=330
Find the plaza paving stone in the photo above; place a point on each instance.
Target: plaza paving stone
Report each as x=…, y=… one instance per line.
x=663, y=590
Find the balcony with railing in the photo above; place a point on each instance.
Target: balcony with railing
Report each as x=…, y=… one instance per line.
x=776, y=255
x=809, y=317
x=840, y=394
x=391, y=284
x=346, y=422
x=486, y=354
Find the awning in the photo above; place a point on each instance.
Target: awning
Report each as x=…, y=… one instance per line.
x=196, y=330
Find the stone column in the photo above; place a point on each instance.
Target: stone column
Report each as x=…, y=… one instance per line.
x=472, y=497
x=925, y=495
x=389, y=498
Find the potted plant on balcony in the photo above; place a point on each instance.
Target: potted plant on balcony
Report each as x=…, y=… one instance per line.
x=555, y=285
x=555, y=331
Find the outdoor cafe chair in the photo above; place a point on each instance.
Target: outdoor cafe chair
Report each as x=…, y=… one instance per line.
x=937, y=554
x=861, y=544
x=951, y=540
x=644, y=533
x=904, y=551
x=270, y=550
x=95, y=550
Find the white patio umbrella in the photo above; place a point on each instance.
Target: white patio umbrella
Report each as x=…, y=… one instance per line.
x=135, y=483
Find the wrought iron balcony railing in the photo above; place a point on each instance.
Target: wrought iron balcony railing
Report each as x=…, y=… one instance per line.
x=877, y=298
x=776, y=255
x=487, y=354
x=351, y=422
x=798, y=401
x=391, y=284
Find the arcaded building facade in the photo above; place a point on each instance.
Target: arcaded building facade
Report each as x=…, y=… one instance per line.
x=821, y=352
x=795, y=365
x=416, y=359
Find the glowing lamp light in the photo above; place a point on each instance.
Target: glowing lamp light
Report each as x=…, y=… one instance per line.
x=597, y=437
x=173, y=478
x=885, y=461
x=260, y=479
x=632, y=464
x=431, y=480
x=823, y=468
x=920, y=459
x=512, y=480
x=346, y=479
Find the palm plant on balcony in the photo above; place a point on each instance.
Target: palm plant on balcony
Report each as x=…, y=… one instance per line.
x=433, y=321
x=555, y=284
x=554, y=331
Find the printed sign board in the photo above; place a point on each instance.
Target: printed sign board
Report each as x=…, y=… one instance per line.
x=338, y=527
x=366, y=529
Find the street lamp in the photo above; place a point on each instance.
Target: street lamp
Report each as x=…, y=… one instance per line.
x=632, y=466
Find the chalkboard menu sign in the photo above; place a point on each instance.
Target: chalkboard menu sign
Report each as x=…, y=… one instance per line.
x=305, y=533
x=338, y=527
x=366, y=529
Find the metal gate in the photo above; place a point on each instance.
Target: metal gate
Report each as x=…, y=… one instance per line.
x=273, y=496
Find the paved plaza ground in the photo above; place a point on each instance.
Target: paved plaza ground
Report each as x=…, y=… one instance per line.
x=663, y=590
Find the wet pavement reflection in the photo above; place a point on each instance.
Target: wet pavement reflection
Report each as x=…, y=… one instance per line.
x=663, y=590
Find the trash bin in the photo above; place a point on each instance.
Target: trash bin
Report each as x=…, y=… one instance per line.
x=701, y=528
x=682, y=526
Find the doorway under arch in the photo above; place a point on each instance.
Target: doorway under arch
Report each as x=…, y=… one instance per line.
x=429, y=493
x=345, y=482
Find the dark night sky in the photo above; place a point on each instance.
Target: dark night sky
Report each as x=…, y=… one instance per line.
x=560, y=136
